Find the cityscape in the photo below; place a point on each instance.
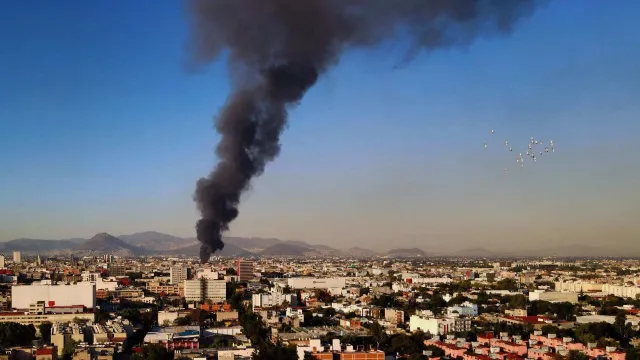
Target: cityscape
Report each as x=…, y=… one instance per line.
x=319, y=180
x=318, y=306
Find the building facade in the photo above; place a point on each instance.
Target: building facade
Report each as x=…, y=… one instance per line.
x=178, y=274
x=244, y=269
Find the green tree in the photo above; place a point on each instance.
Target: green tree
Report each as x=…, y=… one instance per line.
x=518, y=302
x=45, y=331
x=132, y=315
x=69, y=349
x=507, y=284
x=578, y=355
x=632, y=354
x=231, y=271
x=153, y=352
x=14, y=334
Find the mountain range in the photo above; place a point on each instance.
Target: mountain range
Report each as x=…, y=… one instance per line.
x=155, y=243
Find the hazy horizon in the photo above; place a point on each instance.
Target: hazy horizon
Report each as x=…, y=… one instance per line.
x=103, y=130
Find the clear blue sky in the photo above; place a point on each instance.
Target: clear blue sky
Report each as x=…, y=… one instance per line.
x=102, y=129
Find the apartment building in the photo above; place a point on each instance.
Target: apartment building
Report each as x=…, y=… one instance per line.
x=178, y=274
x=244, y=270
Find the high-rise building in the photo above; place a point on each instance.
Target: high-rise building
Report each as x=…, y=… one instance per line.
x=2, y=261
x=73, y=259
x=117, y=269
x=215, y=290
x=193, y=290
x=178, y=274
x=17, y=257
x=244, y=269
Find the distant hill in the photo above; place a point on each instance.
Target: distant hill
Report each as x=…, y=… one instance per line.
x=474, y=252
x=157, y=241
x=577, y=250
x=360, y=252
x=284, y=250
x=30, y=245
x=411, y=252
x=251, y=243
x=106, y=243
x=229, y=250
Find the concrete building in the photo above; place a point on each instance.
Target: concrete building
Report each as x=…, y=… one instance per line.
x=316, y=283
x=464, y=309
x=63, y=334
x=193, y=290
x=621, y=290
x=178, y=274
x=23, y=296
x=394, y=316
x=215, y=290
x=554, y=296
x=204, y=289
x=2, y=262
x=117, y=269
x=578, y=286
x=244, y=269
x=425, y=324
x=273, y=299
x=17, y=257
x=26, y=318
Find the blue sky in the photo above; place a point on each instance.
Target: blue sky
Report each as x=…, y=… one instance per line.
x=102, y=129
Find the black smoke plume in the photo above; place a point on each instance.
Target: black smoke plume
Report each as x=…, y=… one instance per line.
x=276, y=51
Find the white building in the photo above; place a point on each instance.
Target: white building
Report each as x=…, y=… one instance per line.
x=178, y=274
x=215, y=290
x=208, y=274
x=316, y=283
x=273, y=299
x=554, y=296
x=577, y=286
x=90, y=276
x=464, y=309
x=17, y=257
x=22, y=296
x=621, y=290
x=204, y=289
x=2, y=261
x=425, y=324
x=193, y=290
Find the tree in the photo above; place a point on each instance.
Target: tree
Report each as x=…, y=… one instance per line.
x=231, y=271
x=14, y=334
x=133, y=315
x=152, y=352
x=183, y=321
x=45, y=331
x=518, y=302
x=69, y=349
x=578, y=355
x=507, y=284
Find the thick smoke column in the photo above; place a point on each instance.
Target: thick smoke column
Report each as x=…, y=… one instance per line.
x=276, y=51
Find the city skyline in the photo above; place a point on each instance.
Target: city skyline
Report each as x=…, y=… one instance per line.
x=104, y=130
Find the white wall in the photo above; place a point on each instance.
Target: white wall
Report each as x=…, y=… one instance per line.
x=315, y=283
x=63, y=295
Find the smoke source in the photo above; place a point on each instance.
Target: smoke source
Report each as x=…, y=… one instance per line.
x=276, y=51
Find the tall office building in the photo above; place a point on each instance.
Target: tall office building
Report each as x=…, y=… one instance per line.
x=178, y=274
x=244, y=269
x=17, y=257
x=204, y=289
x=117, y=269
x=2, y=261
x=193, y=290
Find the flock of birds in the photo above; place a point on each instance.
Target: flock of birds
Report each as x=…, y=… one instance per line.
x=535, y=149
